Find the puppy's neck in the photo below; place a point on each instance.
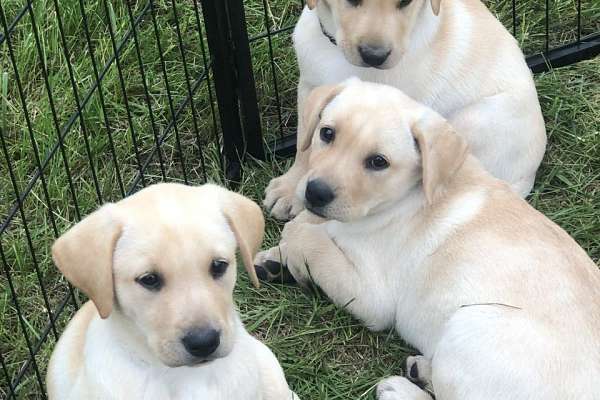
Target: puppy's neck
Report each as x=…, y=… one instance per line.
x=403, y=211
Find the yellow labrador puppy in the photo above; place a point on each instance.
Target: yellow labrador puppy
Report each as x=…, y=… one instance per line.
x=451, y=55
x=159, y=268
x=416, y=235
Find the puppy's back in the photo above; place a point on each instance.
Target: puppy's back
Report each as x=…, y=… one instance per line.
x=520, y=257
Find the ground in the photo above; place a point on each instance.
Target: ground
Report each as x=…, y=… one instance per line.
x=325, y=353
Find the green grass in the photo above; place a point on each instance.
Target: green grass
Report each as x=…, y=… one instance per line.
x=326, y=354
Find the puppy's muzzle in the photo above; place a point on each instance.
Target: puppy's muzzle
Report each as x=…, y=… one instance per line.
x=373, y=56
x=318, y=195
x=201, y=342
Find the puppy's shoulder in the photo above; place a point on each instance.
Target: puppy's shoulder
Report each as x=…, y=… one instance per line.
x=67, y=361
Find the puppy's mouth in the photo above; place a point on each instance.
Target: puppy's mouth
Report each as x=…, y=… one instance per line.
x=197, y=363
x=379, y=67
x=315, y=210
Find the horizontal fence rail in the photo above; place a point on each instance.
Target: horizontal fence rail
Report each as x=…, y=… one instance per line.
x=100, y=98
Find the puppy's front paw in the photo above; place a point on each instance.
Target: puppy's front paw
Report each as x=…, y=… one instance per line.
x=280, y=198
x=399, y=388
x=274, y=272
x=270, y=266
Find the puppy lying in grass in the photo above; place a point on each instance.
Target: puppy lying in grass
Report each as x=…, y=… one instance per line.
x=406, y=229
x=159, y=268
x=451, y=55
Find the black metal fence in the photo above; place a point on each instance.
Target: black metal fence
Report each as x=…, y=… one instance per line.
x=100, y=98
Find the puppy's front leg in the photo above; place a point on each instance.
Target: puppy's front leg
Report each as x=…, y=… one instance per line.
x=280, y=194
x=311, y=255
x=271, y=264
x=306, y=254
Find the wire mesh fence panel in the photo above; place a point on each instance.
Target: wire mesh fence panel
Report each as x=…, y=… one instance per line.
x=98, y=99
x=101, y=98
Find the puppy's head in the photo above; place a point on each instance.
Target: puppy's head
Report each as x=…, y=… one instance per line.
x=373, y=33
x=371, y=146
x=164, y=262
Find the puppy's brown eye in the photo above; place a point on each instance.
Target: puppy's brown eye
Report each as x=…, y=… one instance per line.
x=150, y=281
x=354, y=3
x=376, y=162
x=218, y=268
x=403, y=3
x=327, y=134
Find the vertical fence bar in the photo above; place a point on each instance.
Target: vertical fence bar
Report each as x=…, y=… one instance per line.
x=547, y=22
x=578, y=21
x=219, y=44
x=234, y=83
x=245, y=81
x=273, y=69
x=209, y=85
x=514, y=17
x=10, y=388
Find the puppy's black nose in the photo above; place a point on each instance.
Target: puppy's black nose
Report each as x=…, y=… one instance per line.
x=318, y=193
x=201, y=342
x=373, y=55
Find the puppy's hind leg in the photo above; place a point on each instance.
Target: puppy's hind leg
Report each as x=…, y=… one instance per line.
x=400, y=388
x=418, y=370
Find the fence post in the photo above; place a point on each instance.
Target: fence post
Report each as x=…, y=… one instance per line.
x=234, y=83
x=245, y=80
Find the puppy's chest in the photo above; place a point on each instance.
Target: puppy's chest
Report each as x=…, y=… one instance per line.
x=336, y=69
x=373, y=250
x=123, y=379
x=176, y=385
x=416, y=75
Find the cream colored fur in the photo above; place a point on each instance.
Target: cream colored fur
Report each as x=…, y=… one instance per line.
x=126, y=342
x=462, y=63
x=499, y=300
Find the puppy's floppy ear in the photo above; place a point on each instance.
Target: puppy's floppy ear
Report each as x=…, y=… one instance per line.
x=443, y=152
x=311, y=3
x=435, y=6
x=84, y=254
x=246, y=220
x=313, y=105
